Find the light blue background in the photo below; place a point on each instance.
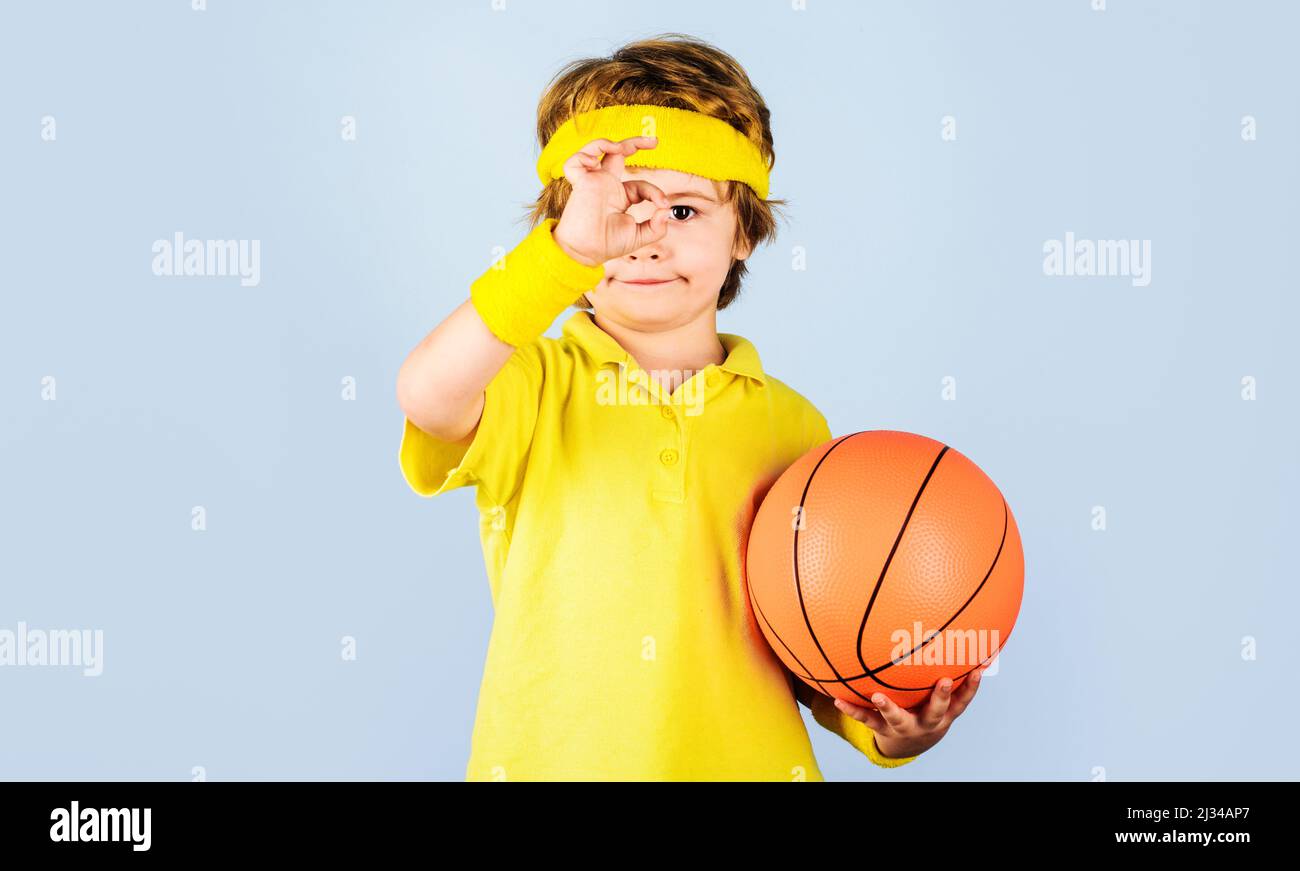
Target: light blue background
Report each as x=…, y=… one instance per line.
x=222, y=648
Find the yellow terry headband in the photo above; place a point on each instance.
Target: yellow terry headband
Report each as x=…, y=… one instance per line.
x=689, y=141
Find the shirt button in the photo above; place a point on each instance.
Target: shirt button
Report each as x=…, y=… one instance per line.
x=667, y=456
x=711, y=378
x=666, y=411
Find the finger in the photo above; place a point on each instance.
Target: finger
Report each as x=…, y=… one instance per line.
x=639, y=190
x=932, y=713
x=609, y=154
x=896, y=717
x=614, y=158
x=966, y=693
x=588, y=158
x=653, y=229
x=862, y=715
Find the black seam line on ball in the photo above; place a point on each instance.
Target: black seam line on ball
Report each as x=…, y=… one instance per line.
x=754, y=601
x=890, y=686
x=880, y=582
x=1006, y=511
x=997, y=556
x=798, y=585
x=777, y=636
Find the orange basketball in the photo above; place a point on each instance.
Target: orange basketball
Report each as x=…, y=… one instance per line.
x=884, y=561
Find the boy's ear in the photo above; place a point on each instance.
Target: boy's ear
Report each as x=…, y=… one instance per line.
x=742, y=250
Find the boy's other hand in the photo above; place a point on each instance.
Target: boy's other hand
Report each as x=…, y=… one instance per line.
x=911, y=731
x=595, y=226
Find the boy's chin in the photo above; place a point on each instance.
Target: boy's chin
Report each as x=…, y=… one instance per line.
x=644, y=313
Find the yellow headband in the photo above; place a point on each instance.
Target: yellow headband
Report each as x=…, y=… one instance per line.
x=689, y=141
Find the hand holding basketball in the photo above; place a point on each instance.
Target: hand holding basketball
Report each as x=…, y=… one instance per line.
x=911, y=731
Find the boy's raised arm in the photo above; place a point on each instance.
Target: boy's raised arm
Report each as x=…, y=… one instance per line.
x=440, y=385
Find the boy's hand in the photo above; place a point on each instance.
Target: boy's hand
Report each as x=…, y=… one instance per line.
x=595, y=226
x=910, y=731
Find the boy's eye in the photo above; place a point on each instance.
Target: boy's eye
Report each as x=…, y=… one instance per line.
x=675, y=208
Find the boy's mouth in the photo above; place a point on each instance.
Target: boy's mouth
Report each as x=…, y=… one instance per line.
x=647, y=282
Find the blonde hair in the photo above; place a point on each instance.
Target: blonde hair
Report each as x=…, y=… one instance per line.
x=681, y=72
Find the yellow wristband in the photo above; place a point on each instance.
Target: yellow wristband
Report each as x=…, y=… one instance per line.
x=520, y=295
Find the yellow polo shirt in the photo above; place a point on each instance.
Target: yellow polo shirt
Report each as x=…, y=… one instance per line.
x=613, y=518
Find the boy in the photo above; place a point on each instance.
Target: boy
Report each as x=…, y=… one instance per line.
x=618, y=468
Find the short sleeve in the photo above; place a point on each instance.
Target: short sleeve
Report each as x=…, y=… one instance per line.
x=819, y=432
x=495, y=458
x=857, y=733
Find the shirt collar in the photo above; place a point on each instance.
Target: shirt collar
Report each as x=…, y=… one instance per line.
x=742, y=356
